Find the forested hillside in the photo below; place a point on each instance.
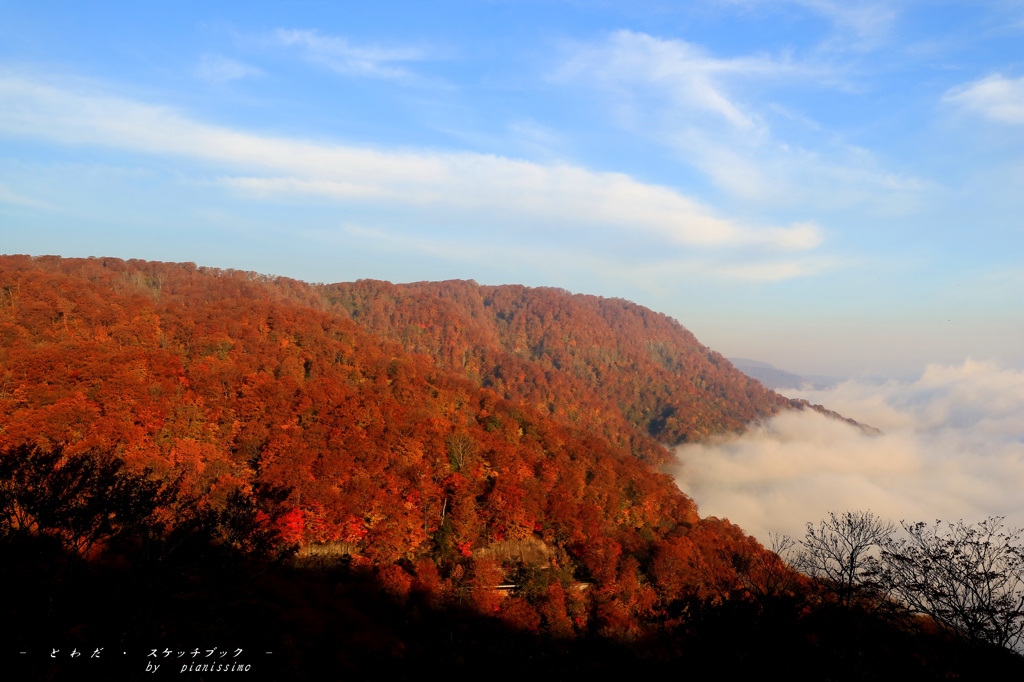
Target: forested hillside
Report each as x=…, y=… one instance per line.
x=243, y=456
x=590, y=360
x=228, y=381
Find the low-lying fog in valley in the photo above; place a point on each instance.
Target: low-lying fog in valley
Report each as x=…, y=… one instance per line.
x=952, y=447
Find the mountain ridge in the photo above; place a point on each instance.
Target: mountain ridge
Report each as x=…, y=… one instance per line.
x=647, y=366
x=447, y=448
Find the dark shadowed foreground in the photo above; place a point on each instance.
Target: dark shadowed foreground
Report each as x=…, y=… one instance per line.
x=91, y=564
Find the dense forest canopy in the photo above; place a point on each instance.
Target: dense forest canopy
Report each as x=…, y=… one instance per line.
x=440, y=439
x=586, y=358
x=222, y=381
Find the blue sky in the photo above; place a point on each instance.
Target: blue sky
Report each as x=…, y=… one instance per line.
x=834, y=187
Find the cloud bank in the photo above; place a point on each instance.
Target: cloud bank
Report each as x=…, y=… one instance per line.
x=477, y=186
x=952, y=447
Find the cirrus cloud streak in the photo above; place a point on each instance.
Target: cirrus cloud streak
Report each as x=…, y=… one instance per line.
x=711, y=112
x=557, y=195
x=346, y=58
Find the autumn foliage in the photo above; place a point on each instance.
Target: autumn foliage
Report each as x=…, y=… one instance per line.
x=416, y=425
x=606, y=364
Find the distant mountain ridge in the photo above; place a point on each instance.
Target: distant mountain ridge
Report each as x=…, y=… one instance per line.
x=778, y=379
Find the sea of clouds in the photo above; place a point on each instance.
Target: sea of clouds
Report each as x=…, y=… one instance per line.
x=951, y=448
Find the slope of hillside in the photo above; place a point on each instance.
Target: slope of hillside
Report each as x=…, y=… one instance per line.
x=591, y=360
x=229, y=382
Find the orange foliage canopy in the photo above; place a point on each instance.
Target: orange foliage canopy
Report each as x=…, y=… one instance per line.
x=606, y=364
x=416, y=423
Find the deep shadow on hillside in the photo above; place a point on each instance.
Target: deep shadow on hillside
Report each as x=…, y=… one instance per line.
x=333, y=622
x=109, y=574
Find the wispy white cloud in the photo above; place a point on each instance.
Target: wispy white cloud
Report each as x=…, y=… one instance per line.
x=952, y=447
x=215, y=68
x=658, y=275
x=555, y=194
x=869, y=20
x=859, y=23
x=683, y=72
x=678, y=95
x=996, y=97
x=344, y=57
x=772, y=173
x=479, y=186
